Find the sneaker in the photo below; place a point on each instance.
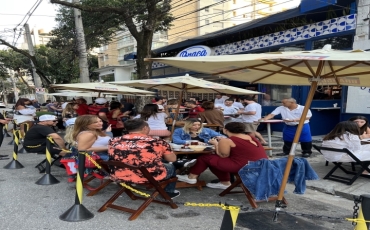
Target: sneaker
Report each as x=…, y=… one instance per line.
x=190, y=163
x=174, y=194
x=217, y=185
x=186, y=179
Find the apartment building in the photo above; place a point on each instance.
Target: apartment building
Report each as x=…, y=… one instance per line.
x=38, y=36
x=192, y=19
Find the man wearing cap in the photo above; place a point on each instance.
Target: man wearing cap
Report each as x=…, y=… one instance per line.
x=35, y=139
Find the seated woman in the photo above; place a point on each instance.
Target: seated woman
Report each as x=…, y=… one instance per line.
x=88, y=135
x=193, y=130
x=172, y=105
x=114, y=115
x=24, y=114
x=70, y=111
x=156, y=120
x=231, y=155
x=211, y=115
x=346, y=134
x=363, y=123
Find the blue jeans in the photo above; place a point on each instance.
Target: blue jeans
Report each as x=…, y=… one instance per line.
x=171, y=172
x=103, y=155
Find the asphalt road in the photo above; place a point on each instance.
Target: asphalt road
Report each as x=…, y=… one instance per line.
x=25, y=205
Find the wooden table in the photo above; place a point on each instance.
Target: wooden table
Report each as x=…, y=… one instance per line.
x=200, y=183
x=181, y=124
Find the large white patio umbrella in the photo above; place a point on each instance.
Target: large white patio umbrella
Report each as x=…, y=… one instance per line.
x=103, y=88
x=325, y=66
x=79, y=94
x=186, y=84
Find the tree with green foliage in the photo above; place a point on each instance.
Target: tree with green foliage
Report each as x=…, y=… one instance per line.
x=141, y=17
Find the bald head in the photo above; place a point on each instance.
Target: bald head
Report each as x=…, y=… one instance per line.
x=290, y=103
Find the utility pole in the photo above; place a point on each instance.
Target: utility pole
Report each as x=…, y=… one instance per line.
x=36, y=77
x=84, y=70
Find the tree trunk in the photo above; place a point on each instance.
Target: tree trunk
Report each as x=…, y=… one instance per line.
x=144, y=69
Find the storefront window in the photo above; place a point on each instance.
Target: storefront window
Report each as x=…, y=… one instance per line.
x=338, y=43
x=274, y=94
x=328, y=93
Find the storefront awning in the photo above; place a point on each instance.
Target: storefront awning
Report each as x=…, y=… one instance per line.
x=130, y=56
x=232, y=30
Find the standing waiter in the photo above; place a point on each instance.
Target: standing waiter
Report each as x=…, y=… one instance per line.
x=291, y=113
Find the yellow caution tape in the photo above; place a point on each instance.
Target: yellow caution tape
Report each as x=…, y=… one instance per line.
x=358, y=220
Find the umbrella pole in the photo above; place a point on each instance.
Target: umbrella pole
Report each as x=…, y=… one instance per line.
x=178, y=109
x=279, y=201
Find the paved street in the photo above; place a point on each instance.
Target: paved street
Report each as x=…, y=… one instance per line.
x=25, y=205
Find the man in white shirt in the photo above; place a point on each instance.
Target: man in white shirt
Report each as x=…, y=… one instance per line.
x=229, y=109
x=291, y=113
x=237, y=104
x=220, y=100
x=250, y=116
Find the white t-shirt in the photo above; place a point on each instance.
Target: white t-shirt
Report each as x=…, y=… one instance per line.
x=294, y=114
x=238, y=105
x=156, y=123
x=220, y=102
x=351, y=142
x=230, y=109
x=249, y=108
x=160, y=107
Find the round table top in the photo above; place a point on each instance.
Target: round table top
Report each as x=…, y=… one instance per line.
x=271, y=121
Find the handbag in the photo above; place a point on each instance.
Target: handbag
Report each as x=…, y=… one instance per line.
x=89, y=163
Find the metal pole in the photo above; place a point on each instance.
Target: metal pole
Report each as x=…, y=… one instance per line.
x=84, y=70
x=36, y=77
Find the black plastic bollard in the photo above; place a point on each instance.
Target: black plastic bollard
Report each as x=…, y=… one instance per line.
x=14, y=164
x=364, y=213
x=230, y=215
x=78, y=212
x=47, y=178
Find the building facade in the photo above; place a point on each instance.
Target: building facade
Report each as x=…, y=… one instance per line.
x=308, y=27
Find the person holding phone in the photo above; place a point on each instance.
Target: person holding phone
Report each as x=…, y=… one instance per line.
x=291, y=113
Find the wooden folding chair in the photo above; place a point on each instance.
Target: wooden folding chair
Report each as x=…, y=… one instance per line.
x=152, y=183
x=364, y=165
x=248, y=194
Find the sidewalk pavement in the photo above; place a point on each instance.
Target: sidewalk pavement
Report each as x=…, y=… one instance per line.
x=25, y=205
x=359, y=187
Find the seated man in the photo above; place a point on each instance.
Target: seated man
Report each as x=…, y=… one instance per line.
x=139, y=149
x=35, y=139
x=194, y=109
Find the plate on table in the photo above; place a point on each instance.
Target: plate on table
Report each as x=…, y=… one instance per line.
x=183, y=150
